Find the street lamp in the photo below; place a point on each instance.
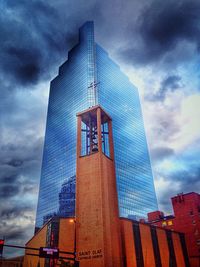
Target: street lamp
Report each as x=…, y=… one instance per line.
x=76, y=263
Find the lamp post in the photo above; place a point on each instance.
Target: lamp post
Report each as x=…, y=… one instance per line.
x=76, y=263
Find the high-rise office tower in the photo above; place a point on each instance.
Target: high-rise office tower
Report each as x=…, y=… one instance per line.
x=87, y=78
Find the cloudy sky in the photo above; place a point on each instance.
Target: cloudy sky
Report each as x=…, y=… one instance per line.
x=156, y=43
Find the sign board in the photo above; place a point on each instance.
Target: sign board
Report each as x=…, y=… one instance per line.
x=90, y=254
x=52, y=253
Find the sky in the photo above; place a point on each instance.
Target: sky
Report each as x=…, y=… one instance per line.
x=156, y=43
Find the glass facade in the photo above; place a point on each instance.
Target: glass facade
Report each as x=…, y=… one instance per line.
x=87, y=78
x=120, y=99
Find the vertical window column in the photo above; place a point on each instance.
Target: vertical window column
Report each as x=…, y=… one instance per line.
x=172, y=257
x=138, y=245
x=156, y=249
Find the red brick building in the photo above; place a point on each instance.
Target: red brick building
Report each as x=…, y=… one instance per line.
x=186, y=219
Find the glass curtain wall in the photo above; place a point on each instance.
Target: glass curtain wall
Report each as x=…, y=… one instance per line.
x=87, y=78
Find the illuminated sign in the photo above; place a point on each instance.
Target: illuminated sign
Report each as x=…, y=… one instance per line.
x=52, y=253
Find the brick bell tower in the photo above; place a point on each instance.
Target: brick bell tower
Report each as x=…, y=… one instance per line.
x=98, y=240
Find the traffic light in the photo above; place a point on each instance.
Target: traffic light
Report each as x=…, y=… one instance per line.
x=1, y=246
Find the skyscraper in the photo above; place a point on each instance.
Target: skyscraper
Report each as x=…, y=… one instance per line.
x=87, y=78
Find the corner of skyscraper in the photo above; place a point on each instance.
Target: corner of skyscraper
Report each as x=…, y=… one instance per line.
x=90, y=77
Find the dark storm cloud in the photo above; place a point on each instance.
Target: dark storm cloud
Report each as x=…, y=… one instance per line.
x=183, y=177
x=169, y=84
x=33, y=38
x=9, y=179
x=17, y=212
x=16, y=155
x=20, y=59
x=160, y=153
x=165, y=128
x=162, y=26
x=25, y=64
x=189, y=178
x=16, y=161
x=188, y=181
x=16, y=225
x=37, y=34
x=7, y=191
x=15, y=234
x=12, y=212
x=19, y=177
x=29, y=189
